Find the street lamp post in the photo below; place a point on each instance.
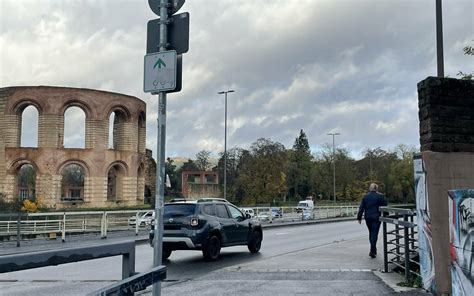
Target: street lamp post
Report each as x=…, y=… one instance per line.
x=333, y=164
x=225, y=141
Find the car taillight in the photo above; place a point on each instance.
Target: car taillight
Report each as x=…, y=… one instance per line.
x=194, y=222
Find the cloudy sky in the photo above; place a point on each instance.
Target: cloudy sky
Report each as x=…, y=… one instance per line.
x=322, y=66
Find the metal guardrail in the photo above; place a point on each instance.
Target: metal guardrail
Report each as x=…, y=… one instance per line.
x=63, y=223
x=401, y=248
x=27, y=260
x=133, y=284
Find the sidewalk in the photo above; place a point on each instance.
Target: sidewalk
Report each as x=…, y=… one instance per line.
x=339, y=268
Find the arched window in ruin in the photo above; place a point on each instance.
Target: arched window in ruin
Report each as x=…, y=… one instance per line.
x=116, y=129
x=110, y=144
x=74, y=128
x=29, y=127
x=72, y=183
x=26, y=181
x=115, y=177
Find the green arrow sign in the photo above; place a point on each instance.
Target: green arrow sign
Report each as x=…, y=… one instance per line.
x=159, y=63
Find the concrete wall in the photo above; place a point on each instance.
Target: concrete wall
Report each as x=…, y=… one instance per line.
x=446, y=113
x=461, y=221
x=50, y=157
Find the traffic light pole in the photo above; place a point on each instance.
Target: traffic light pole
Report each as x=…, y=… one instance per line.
x=160, y=166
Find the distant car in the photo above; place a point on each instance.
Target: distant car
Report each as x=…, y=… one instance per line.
x=207, y=226
x=307, y=214
x=305, y=205
x=263, y=216
x=277, y=213
x=249, y=211
x=143, y=219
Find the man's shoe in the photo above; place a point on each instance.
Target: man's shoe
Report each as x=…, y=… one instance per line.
x=372, y=255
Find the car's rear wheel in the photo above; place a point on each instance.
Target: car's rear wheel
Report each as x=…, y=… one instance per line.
x=212, y=249
x=255, y=241
x=166, y=254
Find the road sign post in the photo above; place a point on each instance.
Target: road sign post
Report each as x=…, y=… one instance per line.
x=160, y=167
x=162, y=74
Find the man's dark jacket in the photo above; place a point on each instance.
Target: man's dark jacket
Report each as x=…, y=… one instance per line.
x=370, y=205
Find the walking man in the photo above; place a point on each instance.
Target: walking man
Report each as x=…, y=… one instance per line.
x=370, y=206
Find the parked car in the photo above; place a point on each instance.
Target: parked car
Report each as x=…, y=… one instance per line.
x=277, y=213
x=143, y=219
x=308, y=214
x=263, y=216
x=207, y=226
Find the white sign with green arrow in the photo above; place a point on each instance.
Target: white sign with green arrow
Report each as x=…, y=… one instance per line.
x=160, y=71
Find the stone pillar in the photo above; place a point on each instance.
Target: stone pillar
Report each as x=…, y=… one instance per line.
x=3, y=172
x=11, y=130
x=126, y=136
x=141, y=140
x=97, y=134
x=50, y=131
x=446, y=113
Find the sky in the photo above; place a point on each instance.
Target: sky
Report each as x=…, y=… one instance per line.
x=342, y=66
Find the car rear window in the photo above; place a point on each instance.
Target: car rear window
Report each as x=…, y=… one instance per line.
x=176, y=210
x=208, y=210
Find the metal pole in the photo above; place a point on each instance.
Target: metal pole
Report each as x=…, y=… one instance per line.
x=225, y=141
x=160, y=166
x=334, y=164
x=439, y=38
x=385, y=247
x=225, y=150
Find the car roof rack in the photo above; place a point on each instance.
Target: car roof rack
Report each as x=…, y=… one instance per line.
x=204, y=199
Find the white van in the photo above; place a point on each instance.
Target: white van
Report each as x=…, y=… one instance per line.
x=305, y=205
x=248, y=211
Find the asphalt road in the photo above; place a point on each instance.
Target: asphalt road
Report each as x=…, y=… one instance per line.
x=84, y=277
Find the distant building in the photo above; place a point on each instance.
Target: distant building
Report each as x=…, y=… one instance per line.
x=197, y=184
x=104, y=173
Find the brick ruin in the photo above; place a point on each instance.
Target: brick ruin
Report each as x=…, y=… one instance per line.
x=95, y=176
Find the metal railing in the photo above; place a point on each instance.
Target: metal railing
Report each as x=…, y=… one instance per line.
x=400, y=244
x=62, y=223
x=289, y=214
x=103, y=222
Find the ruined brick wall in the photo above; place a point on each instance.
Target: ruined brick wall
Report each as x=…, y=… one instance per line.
x=446, y=113
x=50, y=157
x=150, y=176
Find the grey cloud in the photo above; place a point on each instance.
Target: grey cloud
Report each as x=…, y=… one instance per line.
x=293, y=64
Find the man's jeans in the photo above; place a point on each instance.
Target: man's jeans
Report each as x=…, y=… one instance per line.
x=373, y=224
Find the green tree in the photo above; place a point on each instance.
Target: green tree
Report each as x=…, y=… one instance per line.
x=202, y=160
x=401, y=174
x=263, y=172
x=175, y=178
x=234, y=159
x=299, y=171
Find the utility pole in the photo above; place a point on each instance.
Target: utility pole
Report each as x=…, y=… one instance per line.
x=334, y=163
x=439, y=38
x=225, y=140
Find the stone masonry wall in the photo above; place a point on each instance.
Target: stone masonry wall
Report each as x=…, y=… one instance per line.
x=446, y=113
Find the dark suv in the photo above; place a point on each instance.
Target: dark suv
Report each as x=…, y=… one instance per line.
x=207, y=225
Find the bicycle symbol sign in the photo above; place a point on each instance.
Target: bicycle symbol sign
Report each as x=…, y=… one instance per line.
x=160, y=71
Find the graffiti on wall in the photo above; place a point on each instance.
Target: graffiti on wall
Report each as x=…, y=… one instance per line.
x=427, y=270
x=461, y=224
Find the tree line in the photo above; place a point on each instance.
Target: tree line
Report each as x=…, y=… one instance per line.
x=269, y=174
